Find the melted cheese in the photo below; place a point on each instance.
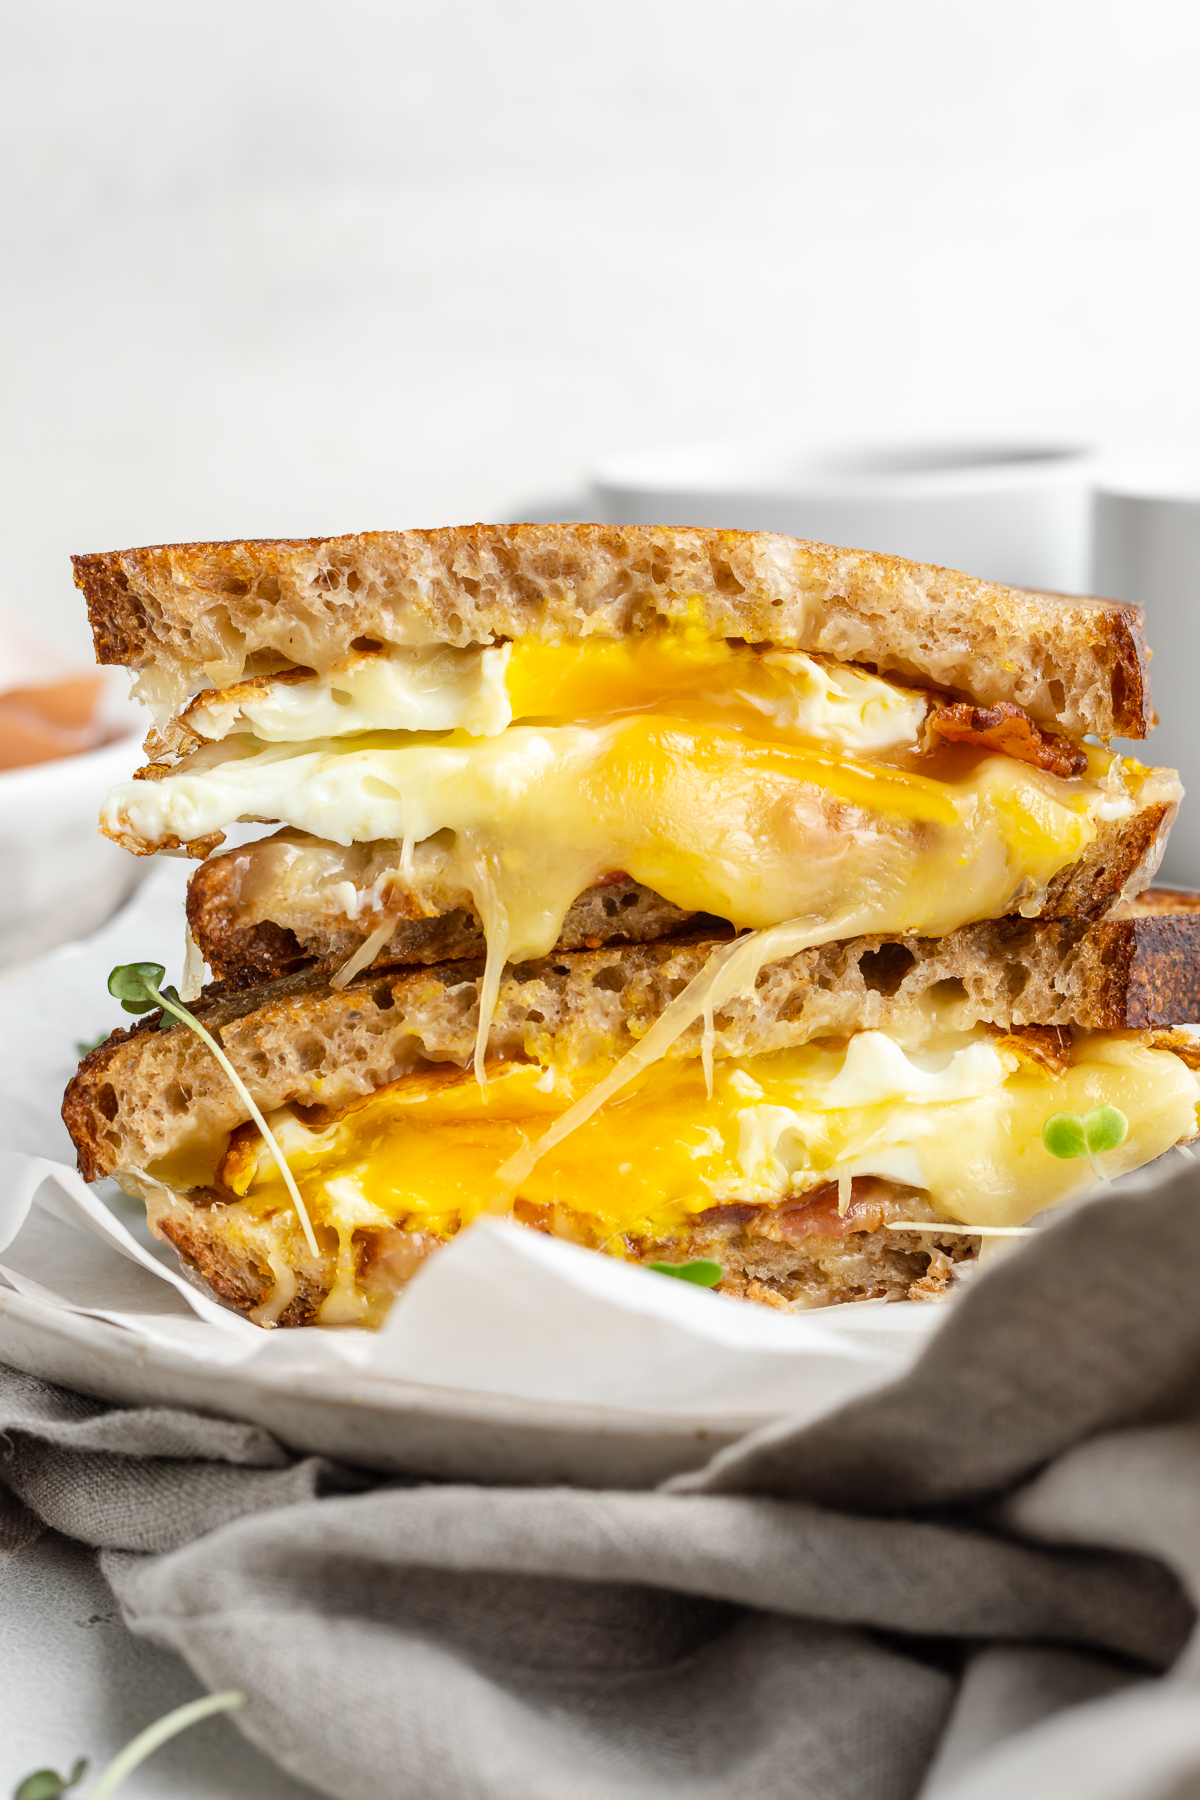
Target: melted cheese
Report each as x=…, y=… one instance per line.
x=961, y=1122
x=482, y=690
x=756, y=829
x=712, y=819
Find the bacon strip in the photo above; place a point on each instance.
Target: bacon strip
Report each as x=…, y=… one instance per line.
x=872, y=1200
x=1009, y=729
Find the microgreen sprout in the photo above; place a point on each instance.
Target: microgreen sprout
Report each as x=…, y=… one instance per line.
x=44, y=1784
x=136, y=986
x=702, y=1273
x=1089, y=1135
x=148, y=1741
x=83, y=1045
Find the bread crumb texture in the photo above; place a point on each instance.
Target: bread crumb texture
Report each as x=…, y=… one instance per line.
x=208, y=614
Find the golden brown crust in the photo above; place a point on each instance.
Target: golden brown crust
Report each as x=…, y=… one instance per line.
x=211, y=612
x=1153, y=964
x=229, y=1270
x=1159, y=900
x=143, y=1093
x=1120, y=860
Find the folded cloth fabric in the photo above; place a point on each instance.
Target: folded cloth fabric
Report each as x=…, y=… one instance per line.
x=981, y=1581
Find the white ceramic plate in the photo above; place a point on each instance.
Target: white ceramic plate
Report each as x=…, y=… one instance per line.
x=396, y=1426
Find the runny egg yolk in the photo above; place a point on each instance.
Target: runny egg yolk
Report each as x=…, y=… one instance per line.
x=962, y=1124
x=780, y=692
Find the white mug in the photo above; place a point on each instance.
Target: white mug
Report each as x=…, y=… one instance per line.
x=61, y=878
x=1013, y=513
x=1147, y=549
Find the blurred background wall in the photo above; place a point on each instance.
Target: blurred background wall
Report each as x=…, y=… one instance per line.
x=280, y=267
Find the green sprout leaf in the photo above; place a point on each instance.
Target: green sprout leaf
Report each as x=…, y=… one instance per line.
x=704, y=1274
x=1063, y=1135
x=45, y=1784
x=83, y=1045
x=135, y=985
x=1105, y=1128
x=1089, y=1135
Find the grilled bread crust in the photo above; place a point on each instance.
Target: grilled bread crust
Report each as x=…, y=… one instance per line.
x=144, y=1092
x=203, y=614
x=242, y=947
x=1158, y=900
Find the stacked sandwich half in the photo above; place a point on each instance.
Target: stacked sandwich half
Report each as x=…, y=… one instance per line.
x=700, y=897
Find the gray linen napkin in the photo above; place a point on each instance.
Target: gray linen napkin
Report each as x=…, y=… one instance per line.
x=978, y=1582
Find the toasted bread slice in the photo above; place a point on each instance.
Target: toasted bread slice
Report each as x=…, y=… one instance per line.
x=278, y=904
x=298, y=1041
x=201, y=615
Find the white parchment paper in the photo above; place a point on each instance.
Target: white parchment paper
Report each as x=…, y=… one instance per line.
x=500, y=1310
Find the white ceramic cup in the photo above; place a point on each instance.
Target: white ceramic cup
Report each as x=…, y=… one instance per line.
x=1014, y=513
x=1147, y=549
x=61, y=879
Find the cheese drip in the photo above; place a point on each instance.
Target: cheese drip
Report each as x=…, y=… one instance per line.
x=755, y=830
x=959, y=1118
x=713, y=819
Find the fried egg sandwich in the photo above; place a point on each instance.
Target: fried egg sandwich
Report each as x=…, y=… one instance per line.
x=692, y=895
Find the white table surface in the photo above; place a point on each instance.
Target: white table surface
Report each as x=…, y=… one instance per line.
x=74, y=1682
